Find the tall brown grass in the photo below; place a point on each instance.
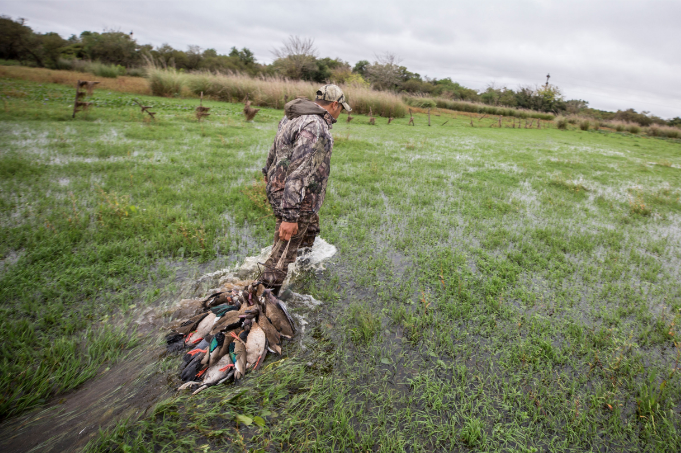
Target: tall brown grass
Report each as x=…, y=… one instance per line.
x=664, y=131
x=124, y=84
x=477, y=107
x=271, y=91
x=166, y=82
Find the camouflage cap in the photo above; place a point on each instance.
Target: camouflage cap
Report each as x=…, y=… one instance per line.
x=333, y=93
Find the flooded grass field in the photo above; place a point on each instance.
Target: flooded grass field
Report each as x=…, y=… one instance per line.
x=495, y=289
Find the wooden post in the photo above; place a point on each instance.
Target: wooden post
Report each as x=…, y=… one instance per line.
x=79, y=105
x=411, y=119
x=201, y=111
x=372, y=120
x=428, y=116
x=79, y=94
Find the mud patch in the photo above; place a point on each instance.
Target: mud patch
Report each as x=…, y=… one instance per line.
x=129, y=389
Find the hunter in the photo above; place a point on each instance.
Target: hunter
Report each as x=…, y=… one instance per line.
x=296, y=173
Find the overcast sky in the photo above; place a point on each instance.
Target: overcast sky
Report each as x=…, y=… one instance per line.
x=614, y=54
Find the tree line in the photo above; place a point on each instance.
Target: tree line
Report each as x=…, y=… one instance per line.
x=296, y=59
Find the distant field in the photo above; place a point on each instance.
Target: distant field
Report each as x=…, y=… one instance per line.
x=496, y=289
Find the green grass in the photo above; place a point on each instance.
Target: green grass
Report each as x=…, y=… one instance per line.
x=496, y=289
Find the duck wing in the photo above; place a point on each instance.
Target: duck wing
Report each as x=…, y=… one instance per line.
x=278, y=315
x=229, y=321
x=283, y=308
x=272, y=334
x=223, y=309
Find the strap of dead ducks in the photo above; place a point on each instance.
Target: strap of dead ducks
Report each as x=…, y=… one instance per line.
x=280, y=264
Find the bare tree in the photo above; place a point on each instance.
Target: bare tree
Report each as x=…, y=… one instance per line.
x=384, y=73
x=295, y=45
x=296, y=57
x=194, y=56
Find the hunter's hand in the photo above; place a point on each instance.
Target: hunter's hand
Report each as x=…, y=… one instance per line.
x=287, y=229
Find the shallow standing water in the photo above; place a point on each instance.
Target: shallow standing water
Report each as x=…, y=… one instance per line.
x=133, y=385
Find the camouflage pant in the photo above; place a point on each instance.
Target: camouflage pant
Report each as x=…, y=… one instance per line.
x=308, y=229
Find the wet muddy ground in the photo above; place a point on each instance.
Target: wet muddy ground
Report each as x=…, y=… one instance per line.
x=131, y=387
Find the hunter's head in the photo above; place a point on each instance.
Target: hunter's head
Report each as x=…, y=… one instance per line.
x=331, y=98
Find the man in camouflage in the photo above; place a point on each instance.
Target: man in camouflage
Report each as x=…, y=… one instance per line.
x=296, y=172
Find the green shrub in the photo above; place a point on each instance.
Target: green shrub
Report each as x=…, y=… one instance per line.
x=137, y=72
x=561, y=123
x=4, y=62
x=64, y=64
x=634, y=129
x=572, y=120
x=106, y=70
x=584, y=125
x=619, y=127
x=473, y=107
x=420, y=102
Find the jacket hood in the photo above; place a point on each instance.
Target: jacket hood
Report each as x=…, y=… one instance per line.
x=301, y=106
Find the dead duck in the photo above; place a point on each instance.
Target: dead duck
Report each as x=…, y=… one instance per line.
x=229, y=321
x=202, y=330
x=217, y=374
x=219, y=298
x=195, y=368
x=272, y=334
x=276, y=312
x=177, y=336
x=238, y=354
x=201, y=348
x=215, y=350
x=256, y=347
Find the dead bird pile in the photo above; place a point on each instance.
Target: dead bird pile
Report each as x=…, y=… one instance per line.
x=229, y=333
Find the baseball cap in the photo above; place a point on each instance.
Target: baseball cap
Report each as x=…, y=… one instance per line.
x=333, y=93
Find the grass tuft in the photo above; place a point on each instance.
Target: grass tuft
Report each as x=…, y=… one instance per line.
x=362, y=324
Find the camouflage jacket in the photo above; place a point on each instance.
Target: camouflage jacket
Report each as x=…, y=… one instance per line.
x=298, y=164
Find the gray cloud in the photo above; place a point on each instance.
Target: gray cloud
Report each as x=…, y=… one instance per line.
x=615, y=54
